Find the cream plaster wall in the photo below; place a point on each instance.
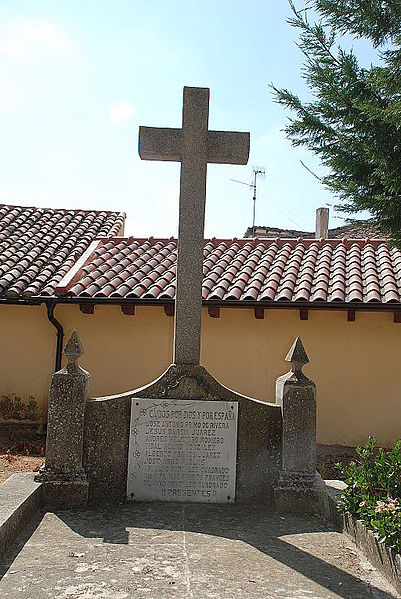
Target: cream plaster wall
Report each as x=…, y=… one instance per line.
x=355, y=364
x=121, y=352
x=27, y=353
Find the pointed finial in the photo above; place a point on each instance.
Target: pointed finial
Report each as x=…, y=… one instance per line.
x=298, y=357
x=73, y=350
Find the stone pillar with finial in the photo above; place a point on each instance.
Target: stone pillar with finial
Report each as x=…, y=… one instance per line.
x=64, y=480
x=299, y=488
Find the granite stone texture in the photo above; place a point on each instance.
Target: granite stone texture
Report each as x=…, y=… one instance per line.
x=106, y=448
x=194, y=146
x=188, y=306
x=107, y=435
x=20, y=499
x=276, y=444
x=62, y=475
x=333, y=490
x=88, y=439
x=299, y=486
x=384, y=559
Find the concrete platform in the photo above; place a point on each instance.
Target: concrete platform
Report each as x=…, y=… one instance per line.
x=185, y=551
x=20, y=498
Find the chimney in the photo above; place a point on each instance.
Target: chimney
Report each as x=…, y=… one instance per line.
x=322, y=223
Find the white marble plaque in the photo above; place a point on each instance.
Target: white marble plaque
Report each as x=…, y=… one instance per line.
x=182, y=450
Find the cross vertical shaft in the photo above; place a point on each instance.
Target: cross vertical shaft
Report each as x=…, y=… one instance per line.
x=194, y=146
x=188, y=305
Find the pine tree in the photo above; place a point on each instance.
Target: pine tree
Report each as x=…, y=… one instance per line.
x=353, y=122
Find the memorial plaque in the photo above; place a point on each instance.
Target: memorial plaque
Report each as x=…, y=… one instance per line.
x=182, y=450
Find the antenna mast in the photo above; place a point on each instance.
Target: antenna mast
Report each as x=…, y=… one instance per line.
x=257, y=170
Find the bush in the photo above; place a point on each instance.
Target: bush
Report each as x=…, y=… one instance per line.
x=373, y=492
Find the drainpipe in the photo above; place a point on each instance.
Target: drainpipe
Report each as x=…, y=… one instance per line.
x=60, y=332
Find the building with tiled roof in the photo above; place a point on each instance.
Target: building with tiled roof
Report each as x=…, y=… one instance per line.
x=75, y=270
x=350, y=231
x=259, y=272
x=38, y=246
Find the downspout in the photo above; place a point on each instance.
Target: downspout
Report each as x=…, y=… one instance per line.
x=60, y=332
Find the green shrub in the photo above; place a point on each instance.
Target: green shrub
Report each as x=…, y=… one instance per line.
x=373, y=492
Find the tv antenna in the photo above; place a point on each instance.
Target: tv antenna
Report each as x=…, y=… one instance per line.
x=257, y=171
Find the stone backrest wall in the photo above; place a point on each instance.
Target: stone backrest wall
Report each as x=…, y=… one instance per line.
x=88, y=457
x=107, y=425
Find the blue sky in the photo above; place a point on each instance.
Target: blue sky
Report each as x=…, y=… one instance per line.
x=78, y=77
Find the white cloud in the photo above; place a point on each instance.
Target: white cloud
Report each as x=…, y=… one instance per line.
x=31, y=39
x=121, y=111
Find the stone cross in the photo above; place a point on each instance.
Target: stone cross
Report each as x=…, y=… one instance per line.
x=194, y=146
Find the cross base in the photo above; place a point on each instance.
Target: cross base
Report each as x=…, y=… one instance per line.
x=63, y=489
x=299, y=493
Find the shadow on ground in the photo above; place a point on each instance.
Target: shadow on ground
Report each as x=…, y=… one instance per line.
x=305, y=545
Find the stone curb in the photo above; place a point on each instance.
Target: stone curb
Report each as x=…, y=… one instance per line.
x=381, y=557
x=384, y=559
x=333, y=488
x=20, y=499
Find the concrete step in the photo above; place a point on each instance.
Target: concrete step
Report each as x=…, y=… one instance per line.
x=20, y=499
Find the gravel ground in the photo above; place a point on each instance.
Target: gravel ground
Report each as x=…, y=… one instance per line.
x=18, y=463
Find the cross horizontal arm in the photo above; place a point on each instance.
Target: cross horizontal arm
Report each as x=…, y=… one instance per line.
x=228, y=147
x=158, y=143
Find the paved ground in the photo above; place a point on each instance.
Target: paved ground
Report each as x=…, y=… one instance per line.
x=157, y=551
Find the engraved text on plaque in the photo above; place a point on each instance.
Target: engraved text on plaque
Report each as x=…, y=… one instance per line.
x=182, y=450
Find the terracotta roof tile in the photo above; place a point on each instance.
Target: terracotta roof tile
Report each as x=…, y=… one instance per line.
x=39, y=246
x=247, y=270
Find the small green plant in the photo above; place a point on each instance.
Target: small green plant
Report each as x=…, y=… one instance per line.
x=373, y=492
